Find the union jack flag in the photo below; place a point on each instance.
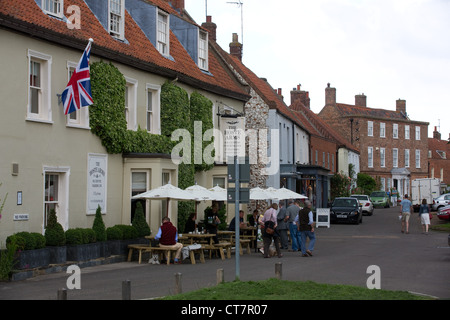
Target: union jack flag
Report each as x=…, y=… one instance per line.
x=78, y=91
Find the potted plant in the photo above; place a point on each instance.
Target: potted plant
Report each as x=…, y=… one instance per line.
x=100, y=233
x=114, y=235
x=31, y=251
x=129, y=236
x=81, y=244
x=140, y=224
x=55, y=240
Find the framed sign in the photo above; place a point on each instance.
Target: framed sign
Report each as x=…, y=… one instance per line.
x=323, y=217
x=97, y=174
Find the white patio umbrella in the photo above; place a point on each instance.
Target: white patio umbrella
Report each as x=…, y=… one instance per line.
x=260, y=194
x=199, y=193
x=284, y=193
x=219, y=194
x=167, y=192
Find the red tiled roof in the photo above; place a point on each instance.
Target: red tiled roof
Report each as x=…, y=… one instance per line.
x=137, y=47
x=435, y=145
x=351, y=110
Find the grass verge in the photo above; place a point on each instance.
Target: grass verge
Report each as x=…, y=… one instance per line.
x=273, y=289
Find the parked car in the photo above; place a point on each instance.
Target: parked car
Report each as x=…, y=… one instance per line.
x=441, y=201
x=346, y=209
x=444, y=213
x=365, y=203
x=380, y=198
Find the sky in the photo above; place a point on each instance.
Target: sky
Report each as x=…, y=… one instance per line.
x=384, y=49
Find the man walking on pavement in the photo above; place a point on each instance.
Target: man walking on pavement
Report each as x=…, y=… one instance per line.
x=283, y=226
x=292, y=212
x=306, y=225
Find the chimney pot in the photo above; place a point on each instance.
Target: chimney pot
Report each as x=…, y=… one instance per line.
x=236, y=47
x=211, y=27
x=361, y=100
x=401, y=106
x=330, y=95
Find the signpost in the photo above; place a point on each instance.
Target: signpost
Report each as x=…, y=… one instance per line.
x=241, y=195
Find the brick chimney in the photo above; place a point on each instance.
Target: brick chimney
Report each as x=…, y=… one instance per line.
x=298, y=95
x=436, y=134
x=236, y=47
x=177, y=5
x=330, y=95
x=211, y=27
x=361, y=100
x=400, y=106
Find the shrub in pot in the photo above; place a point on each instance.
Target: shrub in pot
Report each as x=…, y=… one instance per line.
x=114, y=235
x=55, y=239
x=81, y=244
x=139, y=222
x=130, y=236
x=31, y=251
x=100, y=233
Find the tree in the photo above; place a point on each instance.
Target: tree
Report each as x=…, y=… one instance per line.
x=54, y=232
x=139, y=222
x=366, y=183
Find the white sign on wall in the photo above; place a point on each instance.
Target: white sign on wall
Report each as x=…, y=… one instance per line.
x=233, y=131
x=96, y=182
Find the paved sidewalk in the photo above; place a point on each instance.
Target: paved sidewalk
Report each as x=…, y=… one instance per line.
x=414, y=262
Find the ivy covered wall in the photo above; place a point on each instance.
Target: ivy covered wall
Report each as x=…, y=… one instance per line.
x=178, y=110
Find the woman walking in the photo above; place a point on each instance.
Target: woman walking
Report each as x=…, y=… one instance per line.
x=424, y=216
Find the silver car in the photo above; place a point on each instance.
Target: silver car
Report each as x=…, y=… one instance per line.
x=365, y=203
x=441, y=201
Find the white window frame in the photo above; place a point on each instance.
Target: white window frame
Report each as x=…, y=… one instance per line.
x=370, y=157
x=395, y=158
x=417, y=133
x=418, y=159
x=120, y=16
x=395, y=131
x=80, y=117
x=203, y=50
x=44, y=100
x=382, y=157
x=407, y=158
x=155, y=125
x=131, y=103
x=370, y=128
x=62, y=203
x=407, y=132
x=163, y=33
x=53, y=7
x=382, y=130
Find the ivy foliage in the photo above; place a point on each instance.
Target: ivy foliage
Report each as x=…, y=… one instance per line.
x=178, y=111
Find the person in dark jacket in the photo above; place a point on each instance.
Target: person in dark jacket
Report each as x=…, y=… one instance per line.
x=168, y=238
x=305, y=224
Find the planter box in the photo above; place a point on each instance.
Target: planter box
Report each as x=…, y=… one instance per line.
x=58, y=255
x=114, y=247
x=83, y=252
x=105, y=250
x=29, y=259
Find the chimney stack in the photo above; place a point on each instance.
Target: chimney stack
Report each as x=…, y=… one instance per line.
x=211, y=27
x=236, y=47
x=298, y=95
x=177, y=5
x=361, y=100
x=436, y=134
x=330, y=95
x=401, y=106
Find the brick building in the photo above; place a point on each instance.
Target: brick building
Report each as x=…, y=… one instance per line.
x=439, y=158
x=393, y=147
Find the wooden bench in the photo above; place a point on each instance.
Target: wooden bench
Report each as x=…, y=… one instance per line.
x=146, y=248
x=244, y=243
x=219, y=247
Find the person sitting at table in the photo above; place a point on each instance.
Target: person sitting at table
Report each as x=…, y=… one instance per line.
x=190, y=224
x=212, y=221
x=253, y=220
x=232, y=226
x=168, y=238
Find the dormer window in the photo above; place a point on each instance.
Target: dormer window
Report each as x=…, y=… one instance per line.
x=117, y=18
x=53, y=7
x=203, y=50
x=163, y=33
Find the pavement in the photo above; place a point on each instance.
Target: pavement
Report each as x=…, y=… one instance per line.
x=344, y=254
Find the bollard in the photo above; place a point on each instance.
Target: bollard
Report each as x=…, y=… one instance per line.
x=220, y=276
x=126, y=290
x=62, y=294
x=278, y=270
x=178, y=283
